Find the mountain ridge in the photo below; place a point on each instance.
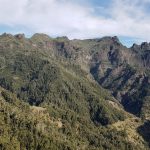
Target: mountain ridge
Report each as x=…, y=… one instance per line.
x=87, y=84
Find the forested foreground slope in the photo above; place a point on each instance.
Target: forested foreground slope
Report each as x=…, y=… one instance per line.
x=73, y=94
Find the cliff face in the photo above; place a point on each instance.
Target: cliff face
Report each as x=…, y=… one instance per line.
x=124, y=71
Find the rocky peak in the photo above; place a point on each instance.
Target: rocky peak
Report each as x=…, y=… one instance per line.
x=7, y=35
x=110, y=40
x=40, y=37
x=145, y=46
x=115, y=39
x=134, y=45
x=20, y=36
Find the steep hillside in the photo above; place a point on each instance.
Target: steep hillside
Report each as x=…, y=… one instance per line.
x=40, y=80
x=24, y=127
x=125, y=72
x=71, y=94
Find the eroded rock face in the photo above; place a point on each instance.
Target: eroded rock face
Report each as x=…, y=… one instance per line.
x=125, y=72
x=142, y=53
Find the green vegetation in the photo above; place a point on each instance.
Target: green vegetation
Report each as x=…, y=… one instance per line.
x=50, y=100
x=29, y=127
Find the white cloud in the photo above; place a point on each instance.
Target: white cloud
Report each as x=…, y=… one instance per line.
x=132, y=18
x=67, y=17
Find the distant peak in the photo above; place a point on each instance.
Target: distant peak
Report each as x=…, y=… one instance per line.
x=62, y=38
x=20, y=36
x=41, y=36
x=142, y=46
x=7, y=35
x=134, y=45
x=115, y=39
x=145, y=44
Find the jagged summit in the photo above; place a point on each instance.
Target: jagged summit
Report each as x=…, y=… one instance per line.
x=45, y=37
x=7, y=35
x=20, y=36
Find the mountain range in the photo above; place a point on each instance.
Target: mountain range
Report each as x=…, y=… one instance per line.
x=61, y=94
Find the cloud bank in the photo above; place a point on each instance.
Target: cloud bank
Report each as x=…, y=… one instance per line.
x=78, y=19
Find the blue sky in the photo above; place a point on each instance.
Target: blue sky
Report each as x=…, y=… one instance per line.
x=129, y=20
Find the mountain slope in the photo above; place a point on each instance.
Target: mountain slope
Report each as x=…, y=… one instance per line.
x=29, y=127
x=55, y=85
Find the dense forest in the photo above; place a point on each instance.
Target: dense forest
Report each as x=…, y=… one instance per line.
x=61, y=94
